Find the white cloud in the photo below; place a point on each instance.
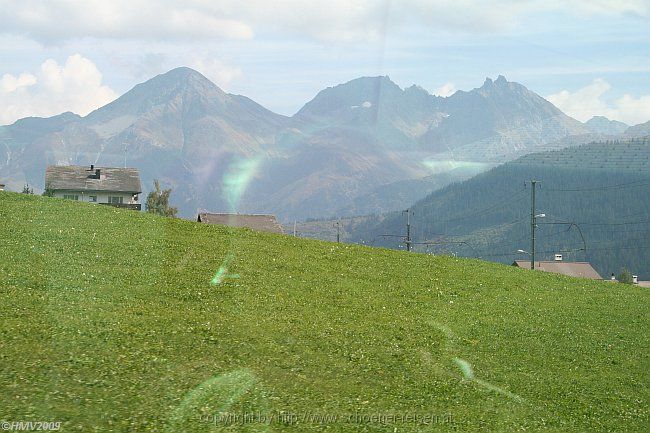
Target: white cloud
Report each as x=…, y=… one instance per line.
x=632, y=110
x=606, y=7
x=49, y=21
x=75, y=86
x=445, y=90
x=11, y=83
x=217, y=71
x=588, y=102
x=584, y=103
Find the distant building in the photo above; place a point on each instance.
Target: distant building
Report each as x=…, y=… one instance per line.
x=637, y=282
x=263, y=223
x=2, y=186
x=112, y=186
x=572, y=269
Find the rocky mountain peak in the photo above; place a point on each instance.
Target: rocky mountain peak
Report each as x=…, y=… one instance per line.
x=364, y=92
x=180, y=84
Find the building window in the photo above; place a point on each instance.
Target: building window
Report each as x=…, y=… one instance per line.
x=92, y=198
x=71, y=196
x=115, y=200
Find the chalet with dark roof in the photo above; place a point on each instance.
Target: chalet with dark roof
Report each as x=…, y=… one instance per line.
x=119, y=187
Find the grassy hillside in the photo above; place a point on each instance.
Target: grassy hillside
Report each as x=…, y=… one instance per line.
x=110, y=322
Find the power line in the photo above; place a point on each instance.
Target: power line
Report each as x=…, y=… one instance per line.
x=645, y=212
x=449, y=243
x=501, y=226
x=599, y=223
x=488, y=209
x=625, y=240
x=634, y=184
x=629, y=247
x=632, y=247
x=614, y=224
x=516, y=241
x=621, y=230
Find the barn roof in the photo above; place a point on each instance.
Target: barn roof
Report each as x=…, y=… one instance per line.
x=572, y=269
x=83, y=178
x=264, y=223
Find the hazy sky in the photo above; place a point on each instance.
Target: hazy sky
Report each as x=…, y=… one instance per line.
x=589, y=57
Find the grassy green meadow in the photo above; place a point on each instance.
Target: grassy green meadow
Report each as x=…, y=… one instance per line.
x=114, y=320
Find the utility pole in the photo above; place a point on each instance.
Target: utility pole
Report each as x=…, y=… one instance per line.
x=533, y=222
x=338, y=231
x=124, y=154
x=408, y=229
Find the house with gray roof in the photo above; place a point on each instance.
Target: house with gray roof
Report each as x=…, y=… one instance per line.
x=263, y=223
x=119, y=187
x=572, y=269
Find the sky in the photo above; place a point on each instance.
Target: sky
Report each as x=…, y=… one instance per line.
x=588, y=57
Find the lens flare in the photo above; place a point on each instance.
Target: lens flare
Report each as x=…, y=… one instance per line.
x=444, y=166
x=222, y=272
x=234, y=184
x=465, y=367
x=200, y=408
x=236, y=180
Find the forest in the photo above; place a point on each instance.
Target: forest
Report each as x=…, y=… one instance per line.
x=594, y=199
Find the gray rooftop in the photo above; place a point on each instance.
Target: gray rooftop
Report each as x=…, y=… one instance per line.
x=264, y=223
x=572, y=269
x=82, y=178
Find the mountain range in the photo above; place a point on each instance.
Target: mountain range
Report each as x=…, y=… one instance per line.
x=360, y=147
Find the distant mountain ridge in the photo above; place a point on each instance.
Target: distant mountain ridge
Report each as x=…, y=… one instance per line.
x=602, y=125
x=500, y=117
x=640, y=130
x=363, y=146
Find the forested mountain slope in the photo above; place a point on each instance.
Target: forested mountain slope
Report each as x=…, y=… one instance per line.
x=602, y=187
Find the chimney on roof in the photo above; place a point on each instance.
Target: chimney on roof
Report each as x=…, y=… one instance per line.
x=558, y=257
x=92, y=167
